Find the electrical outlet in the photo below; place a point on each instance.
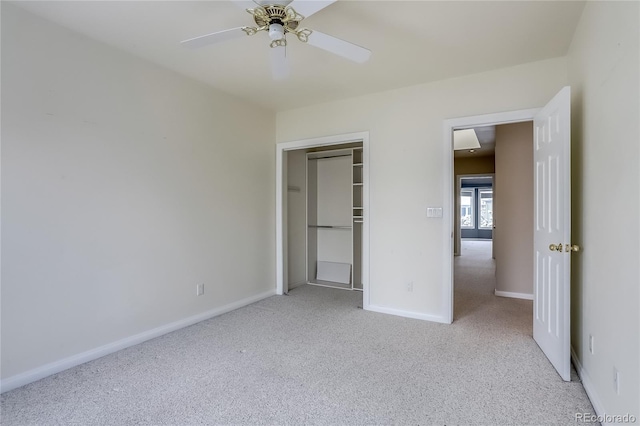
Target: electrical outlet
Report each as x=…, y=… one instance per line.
x=616, y=381
x=410, y=286
x=591, y=344
x=199, y=289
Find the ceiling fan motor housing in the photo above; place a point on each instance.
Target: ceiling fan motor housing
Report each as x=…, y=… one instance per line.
x=287, y=18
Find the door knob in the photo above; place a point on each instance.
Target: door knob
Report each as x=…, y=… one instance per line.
x=570, y=247
x=554, y=247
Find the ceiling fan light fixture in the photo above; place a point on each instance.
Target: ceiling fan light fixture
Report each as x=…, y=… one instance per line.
x=276, y=31
x=279, y=18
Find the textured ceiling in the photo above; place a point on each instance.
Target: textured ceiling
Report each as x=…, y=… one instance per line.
x=412, y=42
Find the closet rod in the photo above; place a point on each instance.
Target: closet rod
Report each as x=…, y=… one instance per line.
x=331, y=156
x=330, y=227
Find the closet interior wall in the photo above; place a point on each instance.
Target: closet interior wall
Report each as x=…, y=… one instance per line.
x=296, y=218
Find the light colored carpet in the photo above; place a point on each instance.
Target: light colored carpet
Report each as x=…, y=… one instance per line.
x=313, y=357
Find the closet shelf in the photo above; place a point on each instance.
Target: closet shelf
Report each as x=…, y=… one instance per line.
x=341, y=239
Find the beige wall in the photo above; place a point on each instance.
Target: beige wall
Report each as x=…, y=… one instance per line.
x=124, y=185
x=467, y=166
x=604, y=66
x=407, y=172
x=474, y=165
x=513, y=208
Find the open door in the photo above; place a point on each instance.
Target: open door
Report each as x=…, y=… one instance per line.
x=552, y=231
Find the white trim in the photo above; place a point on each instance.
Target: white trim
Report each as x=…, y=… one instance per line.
x=408, y=314
x=306, y=226
x=448, y=177
x=448, y=223
x=280, y=219
x=323, y=141
x=366, y=220
x=588, y=386
x=55, y=367
x=281, y=248
x=525, y=296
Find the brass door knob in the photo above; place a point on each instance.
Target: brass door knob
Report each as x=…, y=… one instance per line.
x=570, y=247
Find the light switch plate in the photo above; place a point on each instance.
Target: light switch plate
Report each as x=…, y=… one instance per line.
x=434, y=211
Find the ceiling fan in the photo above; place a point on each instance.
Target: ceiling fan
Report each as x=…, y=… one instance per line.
x=279, y=18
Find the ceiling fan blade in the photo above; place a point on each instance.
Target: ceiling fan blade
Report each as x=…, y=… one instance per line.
x=279, y=63
x=245, y=4
x=339, y=47
x=213, y=38
x=307, y=8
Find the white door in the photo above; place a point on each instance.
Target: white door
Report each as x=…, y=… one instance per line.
x=552, y=231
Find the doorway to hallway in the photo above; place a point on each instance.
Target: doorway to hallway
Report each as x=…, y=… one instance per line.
x=551, y=213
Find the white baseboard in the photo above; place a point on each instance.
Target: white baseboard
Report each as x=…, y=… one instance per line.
x=587, y=384
x=526, y=296
x=406, y=314
x=55, y=367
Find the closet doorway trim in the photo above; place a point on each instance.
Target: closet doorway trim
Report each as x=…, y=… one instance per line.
x=281, y=202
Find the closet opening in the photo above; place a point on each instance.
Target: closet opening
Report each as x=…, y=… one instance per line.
x=325, y=216
x=322, y=213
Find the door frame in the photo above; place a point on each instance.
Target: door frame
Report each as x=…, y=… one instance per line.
x=448, y=233
x=281, y=203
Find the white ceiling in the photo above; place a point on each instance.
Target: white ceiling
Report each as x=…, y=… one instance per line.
x=412, y=42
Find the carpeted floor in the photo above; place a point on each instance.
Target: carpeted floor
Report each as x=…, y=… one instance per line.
x=313, y=357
